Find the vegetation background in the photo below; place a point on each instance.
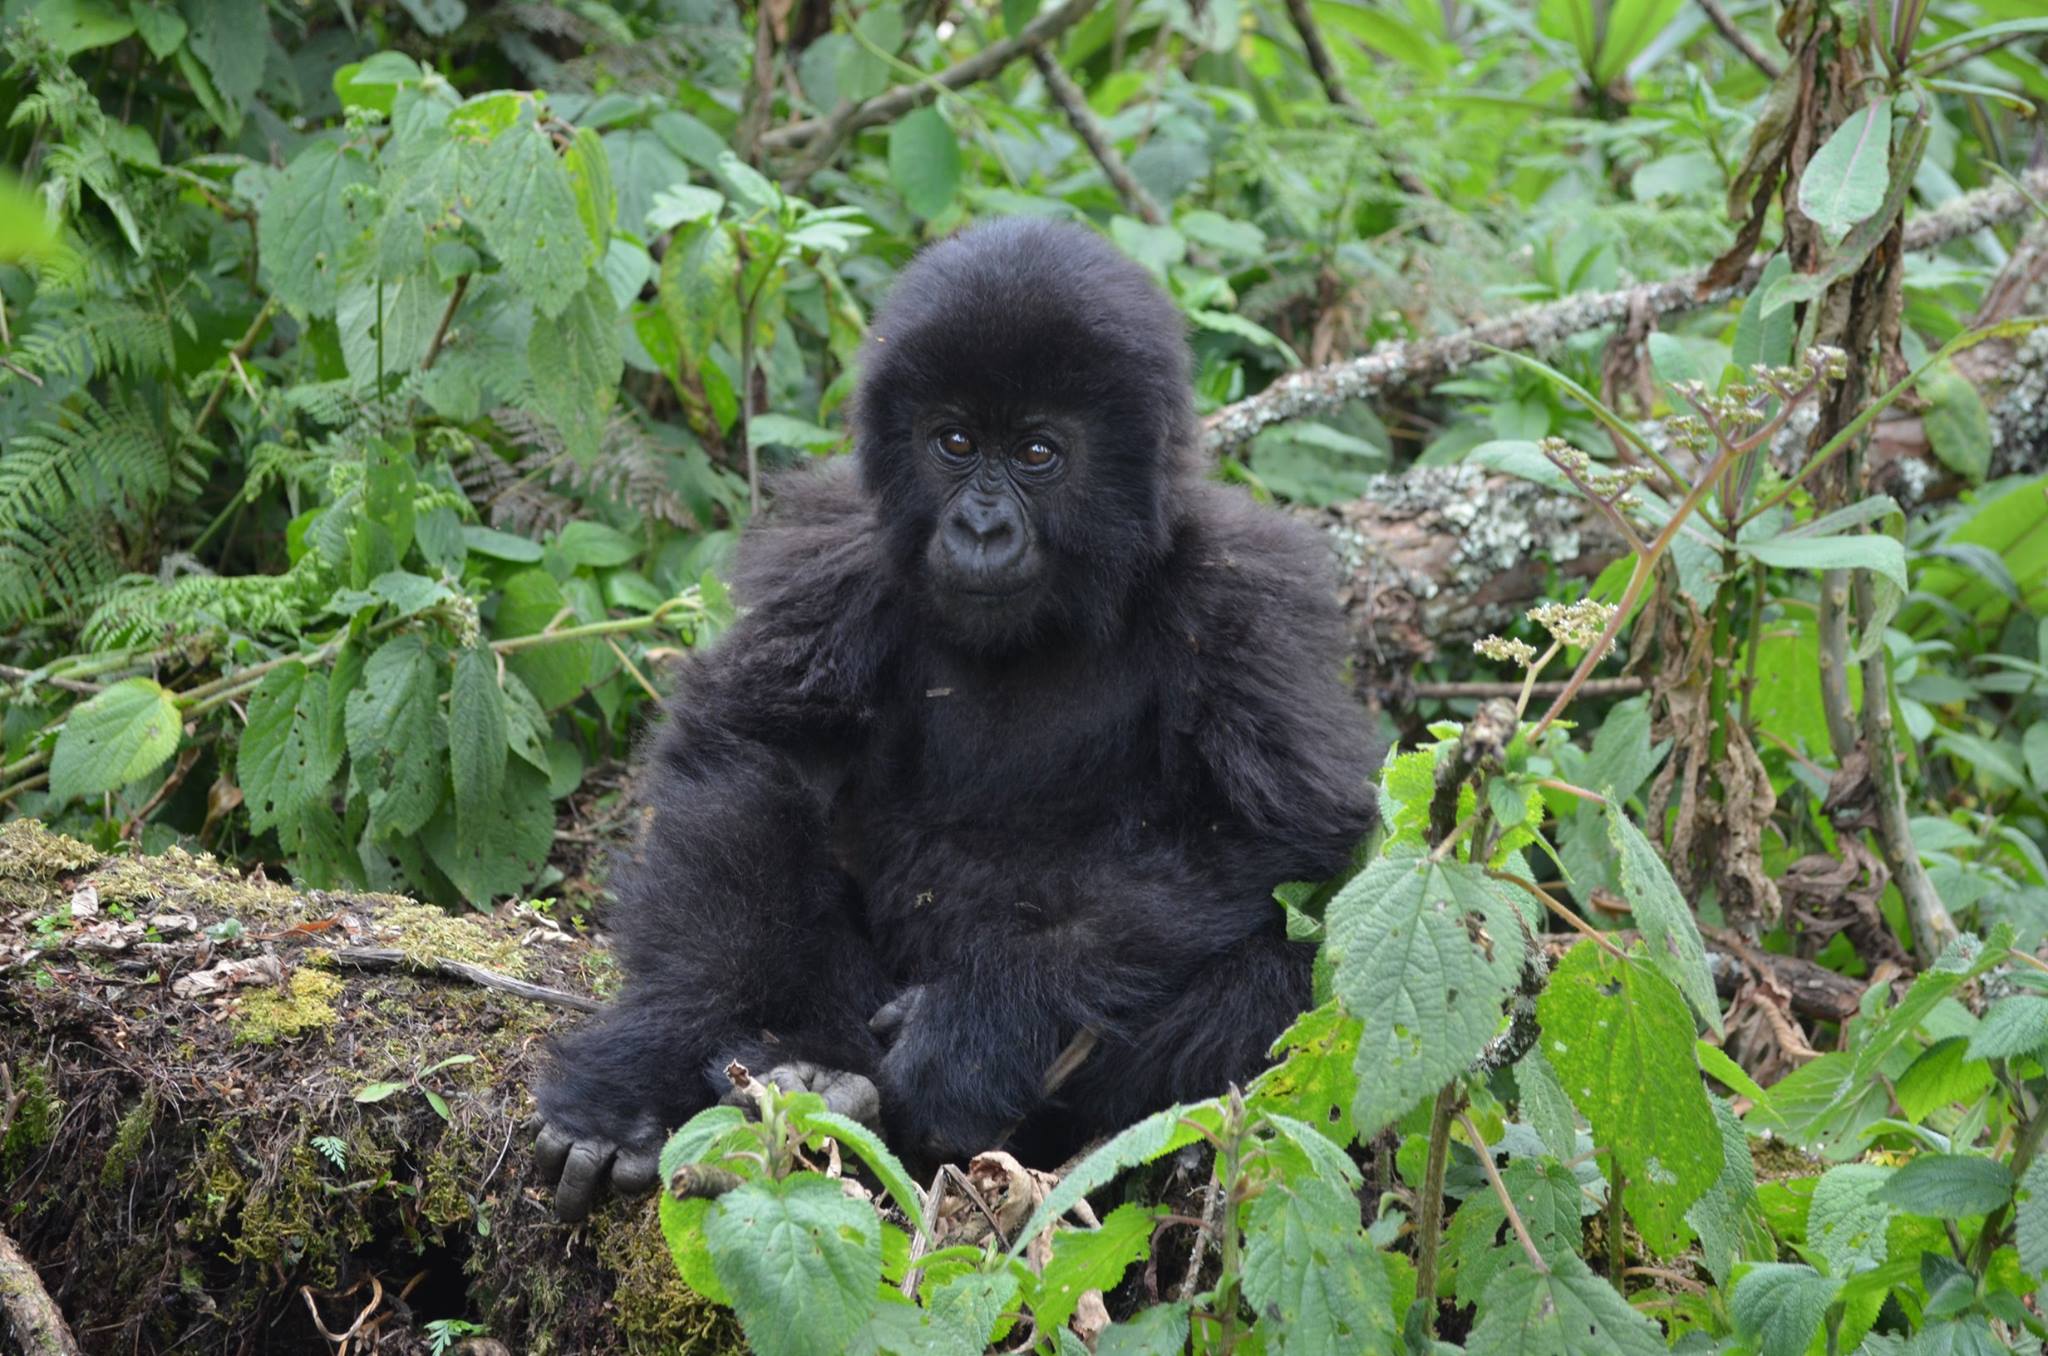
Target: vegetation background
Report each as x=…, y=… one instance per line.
x=383, y=385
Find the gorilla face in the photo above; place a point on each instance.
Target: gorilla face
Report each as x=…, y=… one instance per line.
x=1023, y=421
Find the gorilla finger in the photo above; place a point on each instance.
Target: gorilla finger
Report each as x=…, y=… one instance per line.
x=794, y=1077
x=635, y=1171
x=550, y=1151
x=582, y=1179
x=853, y=1096
x=889, y=1018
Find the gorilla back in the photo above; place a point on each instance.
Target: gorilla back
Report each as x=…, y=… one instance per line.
x=1022, y=726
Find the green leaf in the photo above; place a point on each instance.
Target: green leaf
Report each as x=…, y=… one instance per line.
x=1313, y=1081
x=502, y=849
x=287, y=755
x=590, y=177
x=1958, y=427
x=436, y=18
x=798, y=1257
x=2016, y=1025
x=1311, y=1275
x=1160, y=1133
x=698, y=292
x=1762, y=340
x=161, y=28
x=314, y=212
x=113, y=738
x=1948, y=1186
x=868, y=1146
x=1671, y=937
x=598, y=545
x=1781, y=1305
x=1090, y=1259
x=1544, y=1105
x=74, y=26
x=528, y=215
x=924, y=161
x=1161, y=1330
x=576, y=362
x=681, y=202
x=396, y=733
x=1570, y=1312
x=1845, y=181
x=1727, y=1218
x=478, y=738
x=231, y=38
x=557, y=672
x=527, y=726
x=2031, y=1219
x=1942, y=1074
x=1546, y=1196
x=1847, y=1219
x=489, y=541
x=1621, y=1040
x=377, y=1092
x=1427, y=953
x=1880, y=554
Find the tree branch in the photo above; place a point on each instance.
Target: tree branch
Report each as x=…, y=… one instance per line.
x=1074, y=104
x=894, y=103
x=1418, y=362
x=32, y=1317
x=1740, y=40
x=391, y=958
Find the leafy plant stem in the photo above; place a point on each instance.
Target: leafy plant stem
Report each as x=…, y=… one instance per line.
x=1500, y=1190
x=1617, y=1246
x=1429, y=1225
x=1563, y=912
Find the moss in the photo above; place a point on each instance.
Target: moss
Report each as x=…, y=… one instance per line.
x=195, y=883
x=305, y=1003
x=427, y=934
x=655, y=1311
x=129, y=1137
x=444, y=1193
x=32, y=861
x=35, y=1119
x=292, y=1223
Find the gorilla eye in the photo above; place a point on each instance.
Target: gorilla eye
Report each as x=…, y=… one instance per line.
x=955, y=443
x=1037, y=454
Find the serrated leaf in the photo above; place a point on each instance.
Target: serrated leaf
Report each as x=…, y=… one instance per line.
x=527, y=727
x=1161, y=1330
x=1546, y=1196
x=1621, y=1040
x=396, y=734
x=1781, y=1305
x=1090, y=1259
x=1314, y=1081
x=682, y=1228
x=501, y=850
x=1427, y=953
x=1943, y=1074
x=557, y=672
x=287, y=756
x=1160, y=1133
x=1310, y=1274
x=924, y=161
x=698, y=294
x=1727, y=1218
x=1847, y=1219
x=113, y=738
x=2031, y=1219
x=1948, y=1186
x=1570, y=1312
x=527, y=212
x=2017, y=1025
x=590, y=177
x=576, y=361
x=1845, y=181
x=315, y=211
x=798, y=1258
x=231, y=38
x=1545, y=1106
x=868, y=1147
x=478, y=738
x=1670, y=934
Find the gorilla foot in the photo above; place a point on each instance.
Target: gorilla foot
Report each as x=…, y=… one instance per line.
x=581, y=1168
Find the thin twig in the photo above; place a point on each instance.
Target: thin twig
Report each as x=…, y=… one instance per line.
x=1095, y=137
x=241, y=350
x=391, y=958
x=447, y=318
x=1740, y=40
x=1596, y=687
x=1500, y=1189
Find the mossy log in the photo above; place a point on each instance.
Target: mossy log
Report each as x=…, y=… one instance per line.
x=238, y=1118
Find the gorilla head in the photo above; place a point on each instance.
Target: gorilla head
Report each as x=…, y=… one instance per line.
x=1024, y=419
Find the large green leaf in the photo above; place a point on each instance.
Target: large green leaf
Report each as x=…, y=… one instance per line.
x=231, y=38
x=799, y=1258
x=1727, y=1217
x=1159, y=1133
x=576, y=362
x=1670, y=935
x=1090, y=1259
x=1621, y=1040
x=527, y=212
x=1427, y=953
x=1847, y=1220
x=113, y=738
x=2014, y=1025
x=1569, y=1312
x=397, y=734
x=1780, y=1306
x=1948, y=1186
x=288, y=753
x=1312, y=1276
x=1847, y=177
x=555, y=672
x=315, y=210
x=924, y=161
x=498, y=853
x=478, y=738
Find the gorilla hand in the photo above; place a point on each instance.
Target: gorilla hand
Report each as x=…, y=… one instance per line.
x=580, y=1165
x=943, y=1097
x=848, y=1094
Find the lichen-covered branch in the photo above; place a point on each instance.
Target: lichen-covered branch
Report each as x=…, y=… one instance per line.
x=1419, y=362
x=30, y=1316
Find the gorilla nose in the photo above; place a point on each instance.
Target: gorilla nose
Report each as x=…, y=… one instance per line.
x=984, y=534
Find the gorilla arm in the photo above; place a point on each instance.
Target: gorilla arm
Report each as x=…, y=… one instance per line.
x=733, y=928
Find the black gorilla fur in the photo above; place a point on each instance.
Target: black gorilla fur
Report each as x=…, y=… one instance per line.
x=1057, y=803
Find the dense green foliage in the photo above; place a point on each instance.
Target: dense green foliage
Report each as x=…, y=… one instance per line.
x=382, y=387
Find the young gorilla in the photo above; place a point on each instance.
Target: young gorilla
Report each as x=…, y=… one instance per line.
x=1024, y=724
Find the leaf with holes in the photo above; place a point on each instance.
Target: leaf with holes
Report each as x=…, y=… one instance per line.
x=113, y=738
x=1427, y=953
x=1312, y=1276
x=798, y=1257
x=1569, y=1312
x=528, y=215
x=499, y=853
x=287, y=756
x=1620, y=1038
x=396, y=735
x=1670, y=935
x=314, y=212
x=478, y=738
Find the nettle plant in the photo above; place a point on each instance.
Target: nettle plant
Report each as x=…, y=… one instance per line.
x=1560, y=1162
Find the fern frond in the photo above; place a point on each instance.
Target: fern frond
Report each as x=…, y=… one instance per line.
x=99, y=337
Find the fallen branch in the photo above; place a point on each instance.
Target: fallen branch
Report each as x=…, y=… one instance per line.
x=391, y=958
x=892, y=104
x=33, y=1319
x=1419, y=362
